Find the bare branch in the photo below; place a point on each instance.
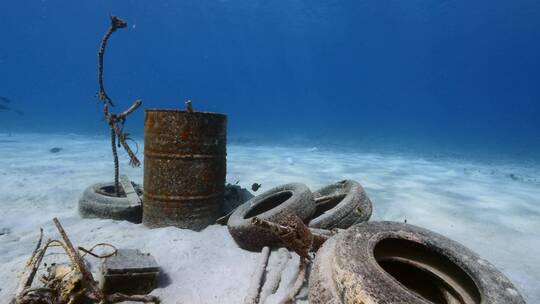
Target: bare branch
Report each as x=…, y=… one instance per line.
x=137, y=103
x=115, y=119
x=118, y=297
x=78, y=262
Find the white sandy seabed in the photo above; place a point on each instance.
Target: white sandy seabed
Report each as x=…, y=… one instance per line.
x=494, y=210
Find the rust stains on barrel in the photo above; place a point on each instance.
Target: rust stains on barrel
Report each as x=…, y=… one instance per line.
x=184, y=168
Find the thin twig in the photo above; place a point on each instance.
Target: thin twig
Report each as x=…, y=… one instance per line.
x=134, y=161
x=38, y=245
x=29, y=271
x=136, y=104
x=78, y=262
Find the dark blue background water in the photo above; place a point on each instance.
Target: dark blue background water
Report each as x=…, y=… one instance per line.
x=448, y=75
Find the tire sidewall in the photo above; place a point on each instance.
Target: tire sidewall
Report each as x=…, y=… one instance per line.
x=354, y=208
x=94, y=204
x=346, y=267
x=251, y=237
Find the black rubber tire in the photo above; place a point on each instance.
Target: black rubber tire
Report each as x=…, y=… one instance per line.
x=349, y=269
x=354, y=208
x=94, y=204
x=272, y=205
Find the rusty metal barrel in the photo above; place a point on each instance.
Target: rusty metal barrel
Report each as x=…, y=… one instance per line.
x=184, y=168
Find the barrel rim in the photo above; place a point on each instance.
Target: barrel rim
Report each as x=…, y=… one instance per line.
x=183, y=111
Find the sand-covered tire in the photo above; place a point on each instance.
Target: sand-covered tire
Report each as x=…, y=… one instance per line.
x=389, y=262
x=94, y=203
x=272, y=205
x=354, y=207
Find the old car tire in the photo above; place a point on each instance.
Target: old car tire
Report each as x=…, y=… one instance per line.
x=272, y=205
x=96, y=203
x=389, y=262
x=354, y=207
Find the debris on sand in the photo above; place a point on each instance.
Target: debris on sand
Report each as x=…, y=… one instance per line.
x=255, y=186
x=298, y=237
x=130, y=272
x=4, y=231
x=71, y=282
x=234, y=196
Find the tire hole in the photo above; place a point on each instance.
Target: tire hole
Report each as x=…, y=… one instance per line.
x=108, y=190
x=327, y=205
x=425, y=272
x=269, y=203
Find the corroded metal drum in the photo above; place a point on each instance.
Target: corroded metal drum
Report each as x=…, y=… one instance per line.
x=184, y=168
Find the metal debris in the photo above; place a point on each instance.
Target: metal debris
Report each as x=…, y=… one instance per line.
x=130, y=272
x=69, y=283
x=184, y=168
x=255, y=186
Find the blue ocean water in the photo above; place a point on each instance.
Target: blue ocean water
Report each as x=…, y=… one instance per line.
x=437, y=80
x=446, y=76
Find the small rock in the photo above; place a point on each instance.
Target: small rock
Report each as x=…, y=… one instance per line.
x=513, y=176
x=55, y=150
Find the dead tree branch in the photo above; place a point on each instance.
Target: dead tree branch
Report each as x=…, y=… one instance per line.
x=116, y=23
x=116, y=121
x=291, y=231
x=78, y=262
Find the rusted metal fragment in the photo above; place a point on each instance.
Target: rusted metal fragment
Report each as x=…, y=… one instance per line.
x=184, y=168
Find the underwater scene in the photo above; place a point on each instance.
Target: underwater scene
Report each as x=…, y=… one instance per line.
x=250, y=151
